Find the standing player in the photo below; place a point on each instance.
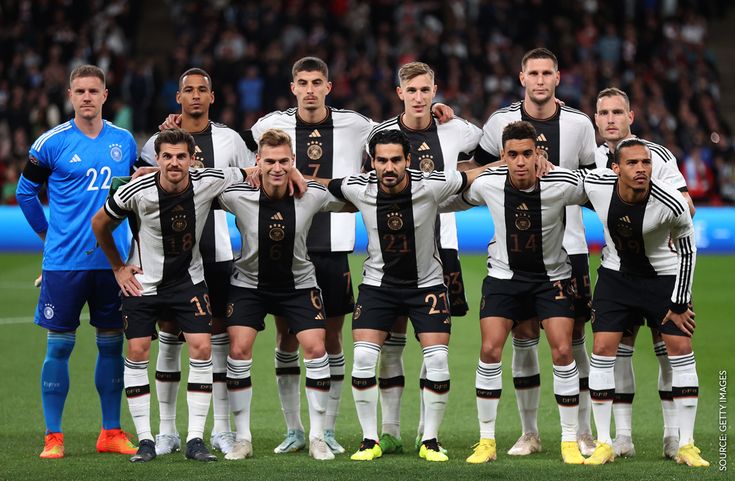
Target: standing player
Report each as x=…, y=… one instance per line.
x=439, y=147
x=567, y=138
x=216, y=146
x=642, y=275
x=613, y=119
x=77, y=160
x=168, y=211
x=528, y=270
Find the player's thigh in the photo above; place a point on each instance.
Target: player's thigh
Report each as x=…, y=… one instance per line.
x=505, y=298
x=582, y=287
x=494, y=332
x=190, y=309
x=302, y=309
x=428, y=309
x=452, y=269
x=614, y=303
x=104, y=300
x=377, y=308
x=139, y=315
x=335, y=281
x=63, y=294
x=658, y=295
x=246, y=308
x=217, y=277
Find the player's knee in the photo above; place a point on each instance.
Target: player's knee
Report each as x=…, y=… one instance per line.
x=604, y=347
x=561, y=354
x=313, y=350
x=137, y=352
x=59, y=351
x=490, y=353
x=365, y=359
x=437, y=364
x=241, y=351
x=200, y=350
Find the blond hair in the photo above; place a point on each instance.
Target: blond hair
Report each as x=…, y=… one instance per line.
x=414, y=69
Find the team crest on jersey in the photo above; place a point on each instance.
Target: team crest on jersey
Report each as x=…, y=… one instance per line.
x=358, y=311
x=116, y=152
x=314, y=150
x=276, y=232
x=48, y=311
x=523, y=218
x=426, y=163
x=178, y=223
x=395, y=221
x=624, y=226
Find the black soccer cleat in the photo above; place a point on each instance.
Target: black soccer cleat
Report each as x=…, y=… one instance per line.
x=146, y=452
x=196, y=450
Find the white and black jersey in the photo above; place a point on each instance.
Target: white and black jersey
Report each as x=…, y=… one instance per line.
x=529, y=231
x=568, y=140
x=217, y=146
x=653, y=238
x=332, y=148
x=167, y=227
x=439, y=147
x=662, y=160
x=273, y=254
x=402, y=249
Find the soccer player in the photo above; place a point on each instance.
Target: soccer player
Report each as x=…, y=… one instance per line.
x=647, y=271
x=614, y=118
x=216, y=146
x=567, y=139
x=434, y=146
x=273, y=275
x=168, y=211
x=77, y=160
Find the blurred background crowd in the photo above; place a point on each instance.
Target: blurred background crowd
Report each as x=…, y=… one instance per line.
x=656, y=50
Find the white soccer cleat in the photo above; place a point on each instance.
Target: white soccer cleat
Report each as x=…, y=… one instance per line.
x=527, y=444
x=223, y=442
x=319, y=450
x=240, y=450
x=294, y=442
x=623, y=447
x=586, y=444
x=671, y=447
x=332, y=443
x=170, y=443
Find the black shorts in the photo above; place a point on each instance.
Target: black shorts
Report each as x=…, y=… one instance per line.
x=621, y=300
x=302, y=308
x=515, y=299
x=335, y=282
x=454, y=282
x=378, y=307
x=581, y=282
x=217, y=276
x=188, y=307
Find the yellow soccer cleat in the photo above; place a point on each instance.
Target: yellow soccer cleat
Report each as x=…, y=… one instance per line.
x=484, y=451
x=115, y=441
x=431, y=451
x=570, y=453
x=689, y=455
x=369, y=450
x=603, y=454
x=54, y=446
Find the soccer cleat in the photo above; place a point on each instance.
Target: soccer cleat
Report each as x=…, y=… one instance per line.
x=146, y=452
x=167, y=443
x=319, y=450
x=53, y=446
x=527, y=444
x=484, y=451
x=623, y=447
x=294, y=442
x=603, y=454
x=671, y=447
x=430, y=451
x=570, y=453
x=223, y=442
x=417, y=444
x=240, y=450
x=368, y=451
x=689, y=455
x=391, y=444
x=586, y=444
x=331, y=441
x=115, y=441
x=196, y=450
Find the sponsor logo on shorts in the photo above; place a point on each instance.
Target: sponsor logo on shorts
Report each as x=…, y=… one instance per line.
x=358, y=311
x=230, y=309
x=593, y=316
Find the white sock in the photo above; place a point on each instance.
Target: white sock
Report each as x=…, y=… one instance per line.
x=168, y=376
x=365, y=387
x=317, y=394
x=488, y=387
x=422, y=385
x=685, y=390
x=240, y=392
x=288, y=377
x=624, y=391
x=391, y=382
x=671, y=421
x=436, y=392
x=198, y=396
x=579, y=351
x=220, y=404
x=602, y=391
x=566, y=390
x=138, y=392
x=527, y=382
x=337, y=377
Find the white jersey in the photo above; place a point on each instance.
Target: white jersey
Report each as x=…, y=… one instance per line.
x=439, y=147
x=217, y=146
x=662, y=160
x=637, y=236
x=167, y=227
x=273, y=254
x=528, y=232
x=402, y=250
x=329, y=149
x=567, y=138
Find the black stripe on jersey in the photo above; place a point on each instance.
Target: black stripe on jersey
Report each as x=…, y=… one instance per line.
x=276, y=233
x=129, y=190
x=426, y=150
x=665, y=198
x=250, y=142
x=625, y=225
x=662, y=151
x=575, y=111
x=684, y=247
x=548, y=133
x=515, y=106
x=335, y=188
x=114, y=210
x=523, y=231
x=242, y=187
x=315, y=185
x=556, y=176
x=204, y=153
x=396, y=231
x=202, y=173
x=178, y=235
x=350, y=112
x=388, y=124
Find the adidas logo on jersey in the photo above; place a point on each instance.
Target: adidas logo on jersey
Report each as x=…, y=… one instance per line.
x=315, y=133
x=75, y=159
x=424, y=146
x=625, y=219
x=541, y=138
x=523, y=206
x=319, y=317
x=277, y=216
x=178, y=208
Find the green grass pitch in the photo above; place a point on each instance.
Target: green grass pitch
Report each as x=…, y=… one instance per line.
x=21, y=429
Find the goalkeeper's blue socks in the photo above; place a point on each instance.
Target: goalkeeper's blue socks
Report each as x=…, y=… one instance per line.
x=55, y=377
x=108, y=377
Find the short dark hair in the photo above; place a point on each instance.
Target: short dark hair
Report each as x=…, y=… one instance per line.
x=539, y=53
x=390, y=136
x=310, y=64
x=626, y=144
x=196, y=71
x=614, y=92
x=87, y=71
x=519, y=130
x=174, y=137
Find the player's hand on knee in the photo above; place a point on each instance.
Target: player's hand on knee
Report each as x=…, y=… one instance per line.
x=173, y=121
x=684, y=321
x=125, y=276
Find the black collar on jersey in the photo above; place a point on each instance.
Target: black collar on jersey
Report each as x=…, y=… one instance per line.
x=617, y=194
x=325, y=120
x=525, y=114
x=431, y=126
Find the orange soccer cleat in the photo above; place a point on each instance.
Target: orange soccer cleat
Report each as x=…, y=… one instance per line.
x=115, y=441
x=54, y=446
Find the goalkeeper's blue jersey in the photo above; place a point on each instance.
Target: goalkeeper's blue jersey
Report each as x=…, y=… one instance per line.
x=81, y=172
